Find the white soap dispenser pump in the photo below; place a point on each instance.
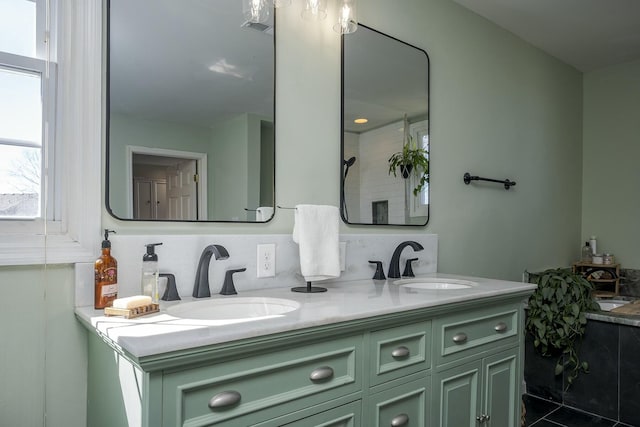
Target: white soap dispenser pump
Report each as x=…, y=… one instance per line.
x=150, y=273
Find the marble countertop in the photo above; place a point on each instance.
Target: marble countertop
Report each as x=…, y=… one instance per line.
x=344, y=301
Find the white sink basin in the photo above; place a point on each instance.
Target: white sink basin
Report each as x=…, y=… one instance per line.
x=233, y=308
x=435, y=284
x=608, y=305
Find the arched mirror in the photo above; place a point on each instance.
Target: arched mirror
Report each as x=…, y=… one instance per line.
x=385, y=126
x=190, y=89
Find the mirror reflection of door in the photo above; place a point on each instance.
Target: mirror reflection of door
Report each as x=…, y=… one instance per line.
x=164, y=188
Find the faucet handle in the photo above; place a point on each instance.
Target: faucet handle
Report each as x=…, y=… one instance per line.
x=171, y=291
x=408, y=270
x=379, y=274
x=228, y=288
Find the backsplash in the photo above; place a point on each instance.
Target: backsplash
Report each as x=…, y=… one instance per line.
x=179, y=254
x=630, y=282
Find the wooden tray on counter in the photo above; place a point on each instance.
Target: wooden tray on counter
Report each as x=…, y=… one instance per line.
x=129, y=313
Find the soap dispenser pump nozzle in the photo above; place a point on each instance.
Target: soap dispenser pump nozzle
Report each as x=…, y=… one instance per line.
x=106, y=243
x=151, y=252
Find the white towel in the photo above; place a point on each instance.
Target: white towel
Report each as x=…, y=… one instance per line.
x=264, y=213
x=316, y=231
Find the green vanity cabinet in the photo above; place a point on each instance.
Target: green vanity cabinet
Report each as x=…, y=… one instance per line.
x=453, y=365
x=478, y=368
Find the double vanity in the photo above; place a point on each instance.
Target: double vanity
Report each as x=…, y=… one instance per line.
x=438, y=350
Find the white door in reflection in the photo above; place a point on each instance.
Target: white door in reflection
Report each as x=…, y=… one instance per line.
x=182, y=191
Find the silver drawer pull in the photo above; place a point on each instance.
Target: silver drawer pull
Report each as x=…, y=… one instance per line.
x=400, y=352
x=500, y=327
x=400, y=420
x=225, y=399
x=321, y=374
x=460, y=338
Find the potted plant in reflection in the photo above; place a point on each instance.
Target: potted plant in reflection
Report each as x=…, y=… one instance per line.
x=412, y=159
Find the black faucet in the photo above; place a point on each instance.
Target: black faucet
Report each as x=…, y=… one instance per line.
x=394, y=266
x=201, y=286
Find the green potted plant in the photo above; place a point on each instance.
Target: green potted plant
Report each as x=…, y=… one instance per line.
x=412, y=159
x=556, y=318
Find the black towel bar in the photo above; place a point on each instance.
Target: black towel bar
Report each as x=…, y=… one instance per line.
x=507, y=183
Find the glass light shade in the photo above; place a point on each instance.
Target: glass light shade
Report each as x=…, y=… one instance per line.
x=347, y=18
x=255, y=10
x=314, y=10
x=281, y=3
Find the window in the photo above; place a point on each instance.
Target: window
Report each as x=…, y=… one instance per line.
x=50, y=121
x=27, y=97
x=420, y=205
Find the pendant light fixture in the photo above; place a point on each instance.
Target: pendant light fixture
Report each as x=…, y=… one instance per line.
x=314, y=10
x=347, y=18
x=281, y=3
x=256, y=10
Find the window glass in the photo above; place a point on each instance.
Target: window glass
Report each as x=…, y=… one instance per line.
x=20, y=106
x=19, y=182
x=18, y=27
x=21, y=111
x=423, y=138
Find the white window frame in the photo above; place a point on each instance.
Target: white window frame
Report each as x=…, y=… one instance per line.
x=48, y=76
x=73, y=234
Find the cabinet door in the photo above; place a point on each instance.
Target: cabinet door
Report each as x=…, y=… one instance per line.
x=406, y=405
x=457, y=396
x=500, y=390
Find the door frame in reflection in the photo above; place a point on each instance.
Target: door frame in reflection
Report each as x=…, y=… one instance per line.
x=201, y=167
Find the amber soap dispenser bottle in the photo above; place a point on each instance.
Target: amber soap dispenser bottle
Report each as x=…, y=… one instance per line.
x=106, y=275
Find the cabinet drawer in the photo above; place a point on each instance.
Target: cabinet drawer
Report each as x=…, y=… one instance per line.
x=466, y=334
x=400, y=351
x=406, y=405
x=274, y=384
x=344, y=416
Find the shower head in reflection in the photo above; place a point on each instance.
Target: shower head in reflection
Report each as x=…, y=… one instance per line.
x=348, y=163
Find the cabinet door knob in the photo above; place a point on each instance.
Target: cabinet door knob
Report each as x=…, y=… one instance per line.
x=323, y=373
x=500, y=327
x=460, y=338
x=225, y=399
x=482, y=418
x=400, y=420
x=400, y=352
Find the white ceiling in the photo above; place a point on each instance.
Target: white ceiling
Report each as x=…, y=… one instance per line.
x=587, y=34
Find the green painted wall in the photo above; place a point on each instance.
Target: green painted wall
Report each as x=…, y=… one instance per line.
x=43, y=356
x=611, y=175
x=499, y=108
x=229, y=169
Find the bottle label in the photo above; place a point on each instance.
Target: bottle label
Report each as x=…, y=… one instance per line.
x=111, y=275
x=109, y=290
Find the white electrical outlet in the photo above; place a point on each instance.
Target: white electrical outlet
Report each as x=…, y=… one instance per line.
x=343, y=256
x=266, y=261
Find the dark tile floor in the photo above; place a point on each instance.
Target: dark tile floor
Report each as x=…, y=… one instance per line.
x=544, y=413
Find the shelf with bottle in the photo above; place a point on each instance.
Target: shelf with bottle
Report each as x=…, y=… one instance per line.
x=601, y=276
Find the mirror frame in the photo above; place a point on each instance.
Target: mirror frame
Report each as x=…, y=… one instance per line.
x=107, y=105
x=342, y=130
